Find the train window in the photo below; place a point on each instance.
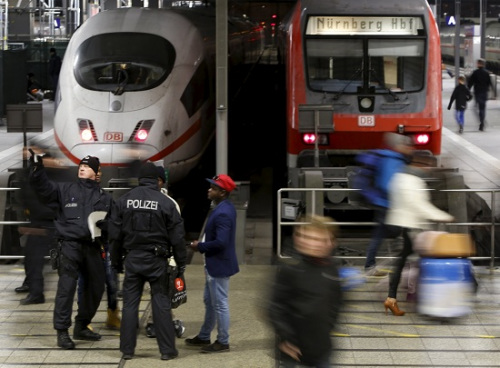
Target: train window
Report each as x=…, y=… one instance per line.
x=197, y=91
x=122, y=62
x=396, y=64
x=346, y=65
x=335, y=65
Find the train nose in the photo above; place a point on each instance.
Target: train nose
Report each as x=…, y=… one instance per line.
x=116, y=153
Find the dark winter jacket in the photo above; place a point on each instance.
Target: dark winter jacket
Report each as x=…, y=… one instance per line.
x=480, y=80
x=74, y=202
x=461, y=94
x=145, y=218
x=304, y=306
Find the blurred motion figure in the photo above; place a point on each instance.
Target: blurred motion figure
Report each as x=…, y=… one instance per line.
x=306, y=297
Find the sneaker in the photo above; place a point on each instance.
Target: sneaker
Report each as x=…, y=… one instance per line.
x=375, y=272
x=64, y=341
x=86, y=334
x=196, y=341
x=461, y=130
x=126, y=356
x=216, y=347
x=179, y=328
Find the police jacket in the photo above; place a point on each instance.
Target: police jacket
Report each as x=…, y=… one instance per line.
x=73, y=201
x=145, y=218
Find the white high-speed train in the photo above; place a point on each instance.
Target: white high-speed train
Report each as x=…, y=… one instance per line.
x=139, y=84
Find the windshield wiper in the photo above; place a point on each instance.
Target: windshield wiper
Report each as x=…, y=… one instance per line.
x=395, y=96
x=353, y=77
x=122, y=80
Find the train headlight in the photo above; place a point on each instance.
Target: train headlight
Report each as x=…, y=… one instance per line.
x=366, y=103
x=142, y=135
x=86, y=135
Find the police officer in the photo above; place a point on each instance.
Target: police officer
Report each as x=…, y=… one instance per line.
x=146, y=226
x=79, y=255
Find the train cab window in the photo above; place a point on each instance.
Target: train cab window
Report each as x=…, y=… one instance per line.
x=346, y=65
x=397, y=65
x=335, y=65
x=123, y=62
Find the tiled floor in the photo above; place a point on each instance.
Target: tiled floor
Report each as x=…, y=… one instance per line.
x=364, y=337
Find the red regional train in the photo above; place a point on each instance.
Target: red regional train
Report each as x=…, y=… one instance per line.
x=355, y=70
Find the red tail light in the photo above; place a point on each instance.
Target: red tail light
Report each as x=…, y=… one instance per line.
x=421, y=139
x=310, y=138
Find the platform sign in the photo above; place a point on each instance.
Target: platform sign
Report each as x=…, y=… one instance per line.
x=24, y=118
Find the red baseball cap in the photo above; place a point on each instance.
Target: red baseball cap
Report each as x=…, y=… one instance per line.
x=223, y=181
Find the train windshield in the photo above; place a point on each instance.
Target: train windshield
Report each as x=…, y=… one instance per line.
x=122, y=62
x=365, y=54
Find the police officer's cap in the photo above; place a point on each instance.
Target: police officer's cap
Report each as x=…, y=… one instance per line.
x=148, y=170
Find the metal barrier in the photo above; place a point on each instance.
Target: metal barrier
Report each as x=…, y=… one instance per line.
x=313, y=192
x=15, y=256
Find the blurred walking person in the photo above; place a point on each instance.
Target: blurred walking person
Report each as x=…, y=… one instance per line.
x=306, y=296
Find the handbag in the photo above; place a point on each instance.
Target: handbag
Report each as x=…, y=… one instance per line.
x=176, y=287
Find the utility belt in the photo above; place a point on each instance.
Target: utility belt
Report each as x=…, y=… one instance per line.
x=158, y=250
x=161, y=251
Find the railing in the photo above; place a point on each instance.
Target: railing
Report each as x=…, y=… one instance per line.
x=16, y=256
x=314, y=191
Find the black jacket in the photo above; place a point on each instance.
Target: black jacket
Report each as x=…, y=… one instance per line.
x=74, y=202
x=304, y=306
x=461, y=94
x=480, y=80
x=144, y=218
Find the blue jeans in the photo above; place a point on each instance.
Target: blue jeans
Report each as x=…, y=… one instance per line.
x=459, y=116
x=215, y=298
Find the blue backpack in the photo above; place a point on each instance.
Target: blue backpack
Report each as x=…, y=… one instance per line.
x=365, y=177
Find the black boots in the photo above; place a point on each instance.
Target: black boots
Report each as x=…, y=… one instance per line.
x=84, y=333
x=64, y=341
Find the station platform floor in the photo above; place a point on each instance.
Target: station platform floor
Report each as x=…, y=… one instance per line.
x=364, y=337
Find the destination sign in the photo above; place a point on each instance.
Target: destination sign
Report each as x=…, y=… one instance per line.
x=332, y=25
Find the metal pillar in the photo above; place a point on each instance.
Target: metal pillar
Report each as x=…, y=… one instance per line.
x=221, y=55
x=482, y=23
x=4, y=22
x=457, y=39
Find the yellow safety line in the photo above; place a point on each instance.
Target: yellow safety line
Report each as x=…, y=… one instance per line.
x=385, y=331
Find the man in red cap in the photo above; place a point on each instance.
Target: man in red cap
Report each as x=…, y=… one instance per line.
x=219, y=249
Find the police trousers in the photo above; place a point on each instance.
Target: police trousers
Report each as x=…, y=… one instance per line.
x=141, y=266
x=78, y=259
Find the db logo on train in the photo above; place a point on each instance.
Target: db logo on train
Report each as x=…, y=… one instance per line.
x=113, y=137
x=179, y=284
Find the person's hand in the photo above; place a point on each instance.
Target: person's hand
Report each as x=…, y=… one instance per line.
x=194, y=245
x=35, y=160
x=290, y=350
